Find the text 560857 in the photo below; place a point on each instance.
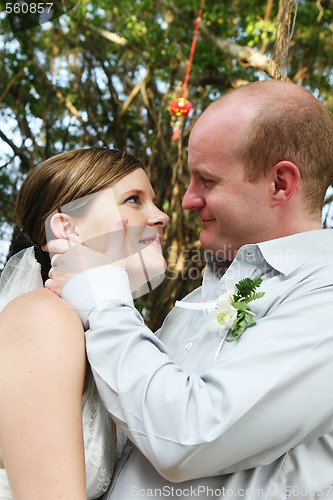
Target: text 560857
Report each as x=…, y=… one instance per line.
x=28, y=8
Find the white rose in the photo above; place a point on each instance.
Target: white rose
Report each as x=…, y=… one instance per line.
x=225, y=314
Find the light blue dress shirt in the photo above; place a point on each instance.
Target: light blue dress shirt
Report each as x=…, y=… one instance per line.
x=256, y=422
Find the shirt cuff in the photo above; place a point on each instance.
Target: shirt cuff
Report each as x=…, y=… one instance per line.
x=95, y=286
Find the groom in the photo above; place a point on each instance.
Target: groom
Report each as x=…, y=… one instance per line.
x=251, y=418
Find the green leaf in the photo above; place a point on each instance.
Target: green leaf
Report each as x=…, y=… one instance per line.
x=250, y=320
x=240, y=306
x=246, y=288
x=256, y=296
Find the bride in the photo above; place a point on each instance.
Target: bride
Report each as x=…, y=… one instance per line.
x=56, y=439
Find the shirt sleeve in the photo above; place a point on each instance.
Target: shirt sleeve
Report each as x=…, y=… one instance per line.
x=96, y=286
x=264, y=394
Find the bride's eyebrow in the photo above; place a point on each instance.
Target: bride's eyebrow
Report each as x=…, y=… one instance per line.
x=138, y=192
x=132, y=192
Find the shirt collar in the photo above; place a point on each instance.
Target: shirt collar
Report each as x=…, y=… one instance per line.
x=285, y=255
x=291, y=252
x=216, y=266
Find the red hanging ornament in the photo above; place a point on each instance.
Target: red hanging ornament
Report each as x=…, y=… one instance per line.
x=181, y=106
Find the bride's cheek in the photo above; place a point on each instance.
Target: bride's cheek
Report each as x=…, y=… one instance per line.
x=134, y=266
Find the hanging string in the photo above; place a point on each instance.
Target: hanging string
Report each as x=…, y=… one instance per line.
x=284, y=31
x=181, y=106
x=194, y=41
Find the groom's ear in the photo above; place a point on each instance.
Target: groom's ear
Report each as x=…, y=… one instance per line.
x=63, y=226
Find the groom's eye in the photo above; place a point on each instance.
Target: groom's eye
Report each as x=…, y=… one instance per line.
x=206, y=182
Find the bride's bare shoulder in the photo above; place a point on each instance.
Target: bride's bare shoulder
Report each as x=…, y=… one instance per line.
x=40, y=309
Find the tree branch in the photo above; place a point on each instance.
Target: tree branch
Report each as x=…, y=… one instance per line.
x=6, y=164
x=135, y=91
x=73, y=110
x=244, y=54
x=112, y=37
x=12, y=81
x=26, y=163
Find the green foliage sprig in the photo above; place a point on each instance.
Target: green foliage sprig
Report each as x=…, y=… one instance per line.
x=246, y=293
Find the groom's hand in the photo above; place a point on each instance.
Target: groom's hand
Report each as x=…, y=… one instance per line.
x=71, y=258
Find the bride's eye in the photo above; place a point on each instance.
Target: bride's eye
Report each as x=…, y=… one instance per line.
x=134, y=199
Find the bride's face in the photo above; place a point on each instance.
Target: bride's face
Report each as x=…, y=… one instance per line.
x=131, y=198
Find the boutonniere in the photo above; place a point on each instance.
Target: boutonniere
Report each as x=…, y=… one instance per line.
x=233, y=311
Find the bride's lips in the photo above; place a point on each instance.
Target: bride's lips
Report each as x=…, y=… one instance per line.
x=154, y=241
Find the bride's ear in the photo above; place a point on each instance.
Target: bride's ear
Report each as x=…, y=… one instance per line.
x=63, y=226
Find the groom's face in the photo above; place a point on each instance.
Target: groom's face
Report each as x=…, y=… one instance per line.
x=232, y=210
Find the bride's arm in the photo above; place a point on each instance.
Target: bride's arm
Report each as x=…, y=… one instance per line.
x=42, y=369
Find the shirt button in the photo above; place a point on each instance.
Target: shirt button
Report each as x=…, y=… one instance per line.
x=188, y=345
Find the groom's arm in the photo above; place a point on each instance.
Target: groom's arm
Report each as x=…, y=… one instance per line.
x=246, y=409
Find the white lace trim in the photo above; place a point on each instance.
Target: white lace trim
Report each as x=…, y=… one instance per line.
x=100, y=451
x=20, y=275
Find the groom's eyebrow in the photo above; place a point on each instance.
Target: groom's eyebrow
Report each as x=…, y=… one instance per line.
x=203, y=171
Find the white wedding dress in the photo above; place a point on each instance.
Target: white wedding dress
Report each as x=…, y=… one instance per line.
x=22, y=274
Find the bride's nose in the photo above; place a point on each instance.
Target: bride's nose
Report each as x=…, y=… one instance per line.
x=159, y=218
